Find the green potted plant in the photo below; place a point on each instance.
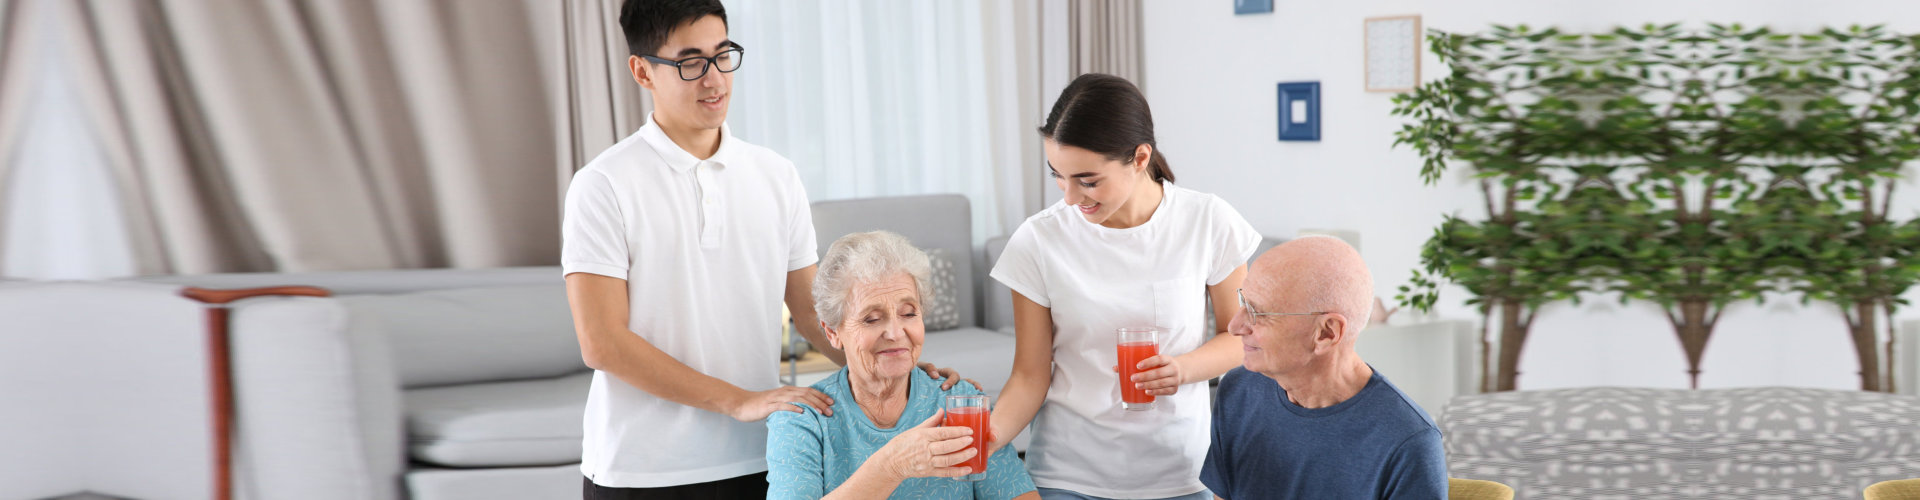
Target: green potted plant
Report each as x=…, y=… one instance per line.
x=1846, y=108
x=1689, y=169
x=1536, y=116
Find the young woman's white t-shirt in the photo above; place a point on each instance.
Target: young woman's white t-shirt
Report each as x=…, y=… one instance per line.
x=1096, y=279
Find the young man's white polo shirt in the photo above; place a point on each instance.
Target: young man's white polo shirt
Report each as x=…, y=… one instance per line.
x=705, y=247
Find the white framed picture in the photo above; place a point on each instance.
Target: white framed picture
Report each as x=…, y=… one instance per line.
x=1393, y=53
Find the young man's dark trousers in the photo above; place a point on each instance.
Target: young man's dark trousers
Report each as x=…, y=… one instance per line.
x=748, y=486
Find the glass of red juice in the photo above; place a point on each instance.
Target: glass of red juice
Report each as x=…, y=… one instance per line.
x=1136, y=343
x=971, y=411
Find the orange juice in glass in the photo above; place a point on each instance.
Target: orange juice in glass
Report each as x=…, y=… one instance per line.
x=1136, y=344
x=971, y=411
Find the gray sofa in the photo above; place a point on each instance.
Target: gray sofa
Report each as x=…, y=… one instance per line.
x=406, y=384
x=430, y=384
x=1610, y=442
x=421, y=384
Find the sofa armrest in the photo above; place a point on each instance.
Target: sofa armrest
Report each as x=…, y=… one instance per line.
x=318, y=402
x=103, y=388
x=219, y=361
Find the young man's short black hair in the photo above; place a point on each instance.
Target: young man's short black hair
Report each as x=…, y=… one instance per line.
x=647, y=22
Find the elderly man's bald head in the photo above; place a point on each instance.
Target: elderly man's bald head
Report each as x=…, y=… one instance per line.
x=1315, y=274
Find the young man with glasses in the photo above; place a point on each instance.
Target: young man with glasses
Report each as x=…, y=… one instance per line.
x=1305, y=417
x=680, y=244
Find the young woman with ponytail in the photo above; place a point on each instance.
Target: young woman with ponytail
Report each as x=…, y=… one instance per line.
x=1125, y=247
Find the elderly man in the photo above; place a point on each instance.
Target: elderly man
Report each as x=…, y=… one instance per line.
x=1305, y=417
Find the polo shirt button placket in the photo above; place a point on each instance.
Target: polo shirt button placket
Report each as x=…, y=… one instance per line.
x=710, y=231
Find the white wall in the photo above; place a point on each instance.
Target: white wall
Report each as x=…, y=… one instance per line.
x=1210, y=79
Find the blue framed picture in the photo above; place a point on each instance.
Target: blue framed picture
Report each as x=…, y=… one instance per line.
x=1300, y=111
x=1252, y=6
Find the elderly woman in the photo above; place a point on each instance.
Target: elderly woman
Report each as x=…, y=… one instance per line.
x=889, y=442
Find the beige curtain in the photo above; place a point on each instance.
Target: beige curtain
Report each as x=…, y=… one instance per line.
x=179, y=208
x=1011, y=38
x=1104, y=37
x=598, y=102
x=303, y=135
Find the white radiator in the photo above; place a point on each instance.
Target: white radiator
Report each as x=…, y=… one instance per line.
x=1906, y=358
x=1431, y=361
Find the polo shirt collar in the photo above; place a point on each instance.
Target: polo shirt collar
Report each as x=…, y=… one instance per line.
x=678, y=158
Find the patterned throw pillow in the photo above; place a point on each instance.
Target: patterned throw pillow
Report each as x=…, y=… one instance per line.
x=942, y=309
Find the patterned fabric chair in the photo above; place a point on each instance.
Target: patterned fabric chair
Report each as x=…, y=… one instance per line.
x=1474, y=489
x=1682, y=444
x=1902, y=489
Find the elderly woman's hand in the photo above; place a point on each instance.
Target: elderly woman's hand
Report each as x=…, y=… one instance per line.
x=948, y=374
x=926, y=450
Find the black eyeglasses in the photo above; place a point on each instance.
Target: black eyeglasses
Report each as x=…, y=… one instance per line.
x=693, y=68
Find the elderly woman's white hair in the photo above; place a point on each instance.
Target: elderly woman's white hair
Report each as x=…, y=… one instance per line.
x=862, y=258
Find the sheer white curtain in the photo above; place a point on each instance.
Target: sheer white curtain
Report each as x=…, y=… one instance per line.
x=60, y=216
x=884, y=98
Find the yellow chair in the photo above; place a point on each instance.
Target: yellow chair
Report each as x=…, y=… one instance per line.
x=1899, y=489
x=1474, y=489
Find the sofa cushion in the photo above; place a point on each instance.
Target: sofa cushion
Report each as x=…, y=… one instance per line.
x=498, y=483
x=318, y=403
x=499, y=424
x=986, y=356
x=943, y=311
x=469, y=335
x=937, y=221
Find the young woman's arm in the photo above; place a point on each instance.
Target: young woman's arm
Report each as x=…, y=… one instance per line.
x=1032, y=373
x=1163, y=375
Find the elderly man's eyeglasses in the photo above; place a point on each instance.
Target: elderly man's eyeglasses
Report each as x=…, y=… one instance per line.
x=693, y=68
x=1255, y=313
